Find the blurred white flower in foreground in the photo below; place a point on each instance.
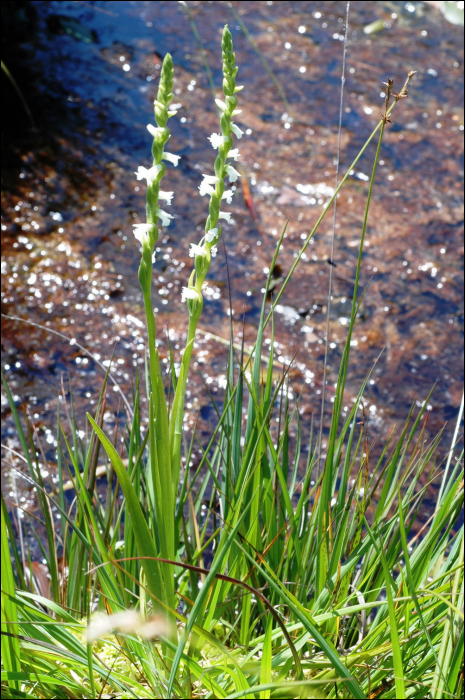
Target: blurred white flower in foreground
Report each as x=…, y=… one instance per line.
x=127, y=622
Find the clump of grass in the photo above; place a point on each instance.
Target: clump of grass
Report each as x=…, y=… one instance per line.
x=316, y=586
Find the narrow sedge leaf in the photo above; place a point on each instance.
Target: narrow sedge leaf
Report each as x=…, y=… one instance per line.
x=394, y=633
x=266, y=664
x=11, y=651
x=204, y=592
x=144, y=541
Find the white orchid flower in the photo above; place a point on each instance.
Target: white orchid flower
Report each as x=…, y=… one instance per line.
x=210, y=179
x=234, y=153
x=228, y=195
x=211, y=235
x=148, y=174
x=141, y=232
x=225, y=215
x=236, y=131
x=189, y=293
x=216, y=140
x=171, y=158
x=154, y=130
x=221, y=105
x=232, y=173
x=213, y=251
x=166, y=197
x=164, y=217
x=197, y=250
x=206, y=186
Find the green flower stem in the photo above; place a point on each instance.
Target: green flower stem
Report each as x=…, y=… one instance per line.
x=160, y=463
x=177, y=415
x=154, y=361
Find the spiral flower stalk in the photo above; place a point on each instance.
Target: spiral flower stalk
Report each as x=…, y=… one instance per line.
x=215, y=185
x=147, y=233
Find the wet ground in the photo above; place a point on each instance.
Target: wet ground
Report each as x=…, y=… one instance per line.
x=89, y=73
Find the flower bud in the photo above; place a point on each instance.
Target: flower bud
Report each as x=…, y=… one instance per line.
x=152, y=200
x=224, y=122
x=214, y=206
x=144, y=274
x=161, y=113
x=231, y=103
x=219, y=166
x=202, y=261
x=228, y=85
x=213, y=234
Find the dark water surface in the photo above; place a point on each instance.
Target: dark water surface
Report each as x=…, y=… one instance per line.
x=89, y=72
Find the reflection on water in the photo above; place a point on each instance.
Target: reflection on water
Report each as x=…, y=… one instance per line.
x=89, y=72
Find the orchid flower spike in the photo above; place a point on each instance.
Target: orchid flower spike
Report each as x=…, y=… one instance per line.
x=147, y=233
x=214, y=185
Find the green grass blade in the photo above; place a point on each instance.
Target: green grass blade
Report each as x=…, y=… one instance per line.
x=11, y=651
x=394, y=633
x=265, y=666
x=198, y=605
x=144, y=541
